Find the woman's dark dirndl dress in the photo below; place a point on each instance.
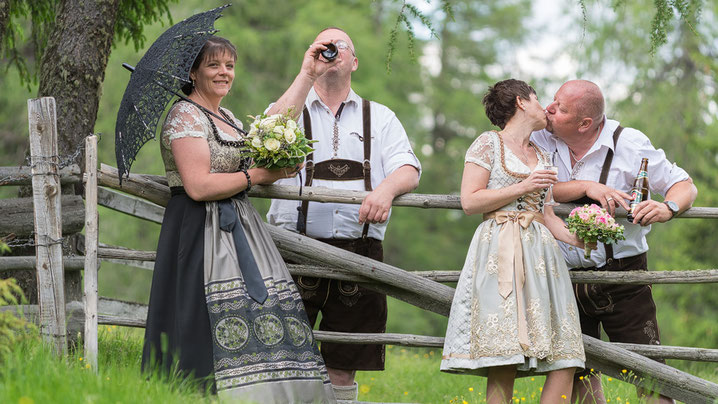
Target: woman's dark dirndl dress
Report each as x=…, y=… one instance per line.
x=201, y=320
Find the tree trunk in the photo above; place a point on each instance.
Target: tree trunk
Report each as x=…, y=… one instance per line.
x=73, y=65
x=72, y=70
x=4, y=18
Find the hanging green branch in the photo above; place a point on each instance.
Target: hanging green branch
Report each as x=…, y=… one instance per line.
x=687, y=10
x=403, y=19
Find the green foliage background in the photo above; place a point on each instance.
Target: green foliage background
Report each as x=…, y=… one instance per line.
x=671, y=96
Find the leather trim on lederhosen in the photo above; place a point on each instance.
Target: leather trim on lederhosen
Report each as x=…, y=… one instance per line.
x=337, y=169
x=602, y=179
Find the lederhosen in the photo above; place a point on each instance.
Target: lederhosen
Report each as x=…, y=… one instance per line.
x=345, y=306
x=626, y=312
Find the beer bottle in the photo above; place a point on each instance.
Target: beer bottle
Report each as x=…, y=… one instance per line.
x=639, y=192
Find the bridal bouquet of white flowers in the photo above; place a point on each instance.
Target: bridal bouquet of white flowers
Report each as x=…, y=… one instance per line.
x=275, y=141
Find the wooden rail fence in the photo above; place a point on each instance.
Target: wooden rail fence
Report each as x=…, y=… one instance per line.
x=144, y=196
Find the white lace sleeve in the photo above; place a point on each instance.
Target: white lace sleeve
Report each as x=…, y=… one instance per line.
x=183, y=120
x=481, y=152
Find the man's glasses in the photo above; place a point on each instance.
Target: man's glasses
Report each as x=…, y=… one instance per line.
x=342, y=45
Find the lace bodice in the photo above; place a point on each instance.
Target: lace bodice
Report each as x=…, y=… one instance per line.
x=488, y=151
x=186, y=120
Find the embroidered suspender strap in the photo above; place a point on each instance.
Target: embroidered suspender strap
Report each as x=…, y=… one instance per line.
x=366, y=124
x=604, y=177
x=309, y=168
x=366, y=116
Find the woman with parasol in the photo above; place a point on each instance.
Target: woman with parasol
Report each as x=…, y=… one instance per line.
x=223, y=306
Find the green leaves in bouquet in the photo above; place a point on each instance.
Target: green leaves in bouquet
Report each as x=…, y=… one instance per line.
x=276, y=141
x=588, y=229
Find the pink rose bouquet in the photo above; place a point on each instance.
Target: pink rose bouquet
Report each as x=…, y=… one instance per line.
x=593, y=224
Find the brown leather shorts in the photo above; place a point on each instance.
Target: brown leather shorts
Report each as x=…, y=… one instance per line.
x=627, y=313
x=347, y=307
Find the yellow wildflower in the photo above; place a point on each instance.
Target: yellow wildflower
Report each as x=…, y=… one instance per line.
x=624, y=371
x=80, y=358
x=406, y=393
x=610, y=379
x=87, y=366
x=364, y=389
x=563, y=396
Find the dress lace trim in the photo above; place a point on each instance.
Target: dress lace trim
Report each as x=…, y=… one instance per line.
x=539, y=156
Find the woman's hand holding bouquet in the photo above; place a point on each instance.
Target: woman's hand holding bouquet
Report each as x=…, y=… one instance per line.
x=593, y=224
x=276, y=141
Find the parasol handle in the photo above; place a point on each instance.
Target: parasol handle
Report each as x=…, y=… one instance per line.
x=221, y=118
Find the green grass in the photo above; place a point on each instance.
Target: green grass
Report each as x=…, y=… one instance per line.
x=31, y=374
x=412, y=375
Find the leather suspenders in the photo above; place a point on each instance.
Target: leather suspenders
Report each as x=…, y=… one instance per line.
x=337, y=169
x=602, y=179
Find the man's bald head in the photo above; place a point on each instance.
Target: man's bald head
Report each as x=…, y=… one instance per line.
x=588, y=99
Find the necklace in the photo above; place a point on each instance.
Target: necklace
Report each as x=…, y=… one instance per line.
x=244, y=162
x=215, y=132
x=525, y=158
x=573, y=155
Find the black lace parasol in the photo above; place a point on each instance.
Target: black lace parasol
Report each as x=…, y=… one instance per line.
x=156, y=80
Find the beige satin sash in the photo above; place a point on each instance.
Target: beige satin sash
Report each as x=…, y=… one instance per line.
x=511, y=260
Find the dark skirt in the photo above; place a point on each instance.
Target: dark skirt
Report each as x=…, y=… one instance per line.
x=203, y=322
x=178, y=326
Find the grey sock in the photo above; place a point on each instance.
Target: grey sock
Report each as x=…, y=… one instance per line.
x=346, y=392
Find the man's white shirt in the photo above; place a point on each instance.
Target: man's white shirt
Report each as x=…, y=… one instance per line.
x=632, y=146
x=390, y=149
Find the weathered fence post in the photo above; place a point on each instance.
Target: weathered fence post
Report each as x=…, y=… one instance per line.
x=91, y=243
x=41, y=115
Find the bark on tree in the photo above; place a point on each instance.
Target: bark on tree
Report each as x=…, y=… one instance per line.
x=72, y=67
x=4, y=18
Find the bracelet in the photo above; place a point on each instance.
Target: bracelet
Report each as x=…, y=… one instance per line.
x=249, y=180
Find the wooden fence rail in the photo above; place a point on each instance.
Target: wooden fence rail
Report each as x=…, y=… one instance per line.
x=418, y=288
x=91, y=245
x=130, y=256
x=48, y=221
x=151, y=188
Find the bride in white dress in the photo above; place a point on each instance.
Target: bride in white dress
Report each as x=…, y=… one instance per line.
x=514, y=310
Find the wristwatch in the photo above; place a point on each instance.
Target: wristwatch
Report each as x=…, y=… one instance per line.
x=672, y=206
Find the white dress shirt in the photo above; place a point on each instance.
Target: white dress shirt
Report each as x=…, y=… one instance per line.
x=390, y=149
x=632, y=146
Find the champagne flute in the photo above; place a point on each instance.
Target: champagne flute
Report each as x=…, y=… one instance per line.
x=551, y=165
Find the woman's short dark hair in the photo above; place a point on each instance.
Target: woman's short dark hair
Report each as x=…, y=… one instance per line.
x=214, y=46
x=500, y=101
